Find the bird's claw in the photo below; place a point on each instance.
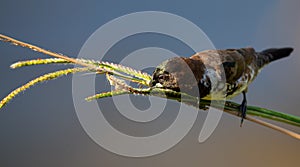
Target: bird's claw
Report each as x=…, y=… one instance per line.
x=243, y=109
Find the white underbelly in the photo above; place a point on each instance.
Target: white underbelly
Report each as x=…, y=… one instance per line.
x=221, y=90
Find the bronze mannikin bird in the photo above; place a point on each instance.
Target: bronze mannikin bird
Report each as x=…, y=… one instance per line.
x=218, y=74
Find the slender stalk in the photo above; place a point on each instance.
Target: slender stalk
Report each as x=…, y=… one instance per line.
x=38, y=62
x=41, y=50
x=111, y=68
x=231, y=111
x=106, y=94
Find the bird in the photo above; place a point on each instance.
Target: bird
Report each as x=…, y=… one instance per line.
x=216, y=74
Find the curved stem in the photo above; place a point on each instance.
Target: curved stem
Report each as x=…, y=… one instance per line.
x=41, y=50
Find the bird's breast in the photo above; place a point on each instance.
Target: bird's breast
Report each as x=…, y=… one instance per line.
x=222, y=89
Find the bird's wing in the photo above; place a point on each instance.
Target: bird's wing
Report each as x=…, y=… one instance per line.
x=232, y=61
x=234, y=64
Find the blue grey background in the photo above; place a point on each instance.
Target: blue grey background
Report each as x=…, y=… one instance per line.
x=40, y=127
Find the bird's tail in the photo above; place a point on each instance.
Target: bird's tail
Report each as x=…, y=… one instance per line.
x=273, y=54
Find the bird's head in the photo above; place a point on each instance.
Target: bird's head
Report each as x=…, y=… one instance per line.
x=179, y=74
x=165, y=74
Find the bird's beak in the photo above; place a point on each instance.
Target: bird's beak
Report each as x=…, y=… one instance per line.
x=158, y=85
x=152, y=83
x=155, y=84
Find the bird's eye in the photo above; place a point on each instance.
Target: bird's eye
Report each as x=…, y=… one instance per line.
x=161, y=77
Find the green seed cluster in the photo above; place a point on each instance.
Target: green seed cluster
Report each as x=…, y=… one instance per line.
x=42, y=78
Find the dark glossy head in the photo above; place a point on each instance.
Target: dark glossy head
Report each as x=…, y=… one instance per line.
x=165, y=74
x=179, y=74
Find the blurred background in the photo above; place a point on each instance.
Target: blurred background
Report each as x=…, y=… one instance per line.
x=40, y=127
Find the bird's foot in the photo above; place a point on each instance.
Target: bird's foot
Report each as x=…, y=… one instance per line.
x=243, y=110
